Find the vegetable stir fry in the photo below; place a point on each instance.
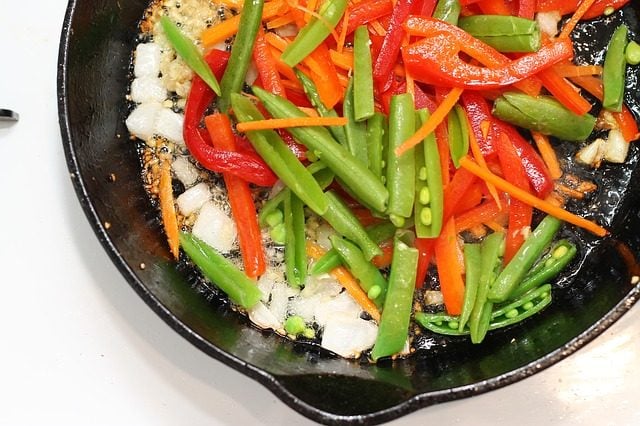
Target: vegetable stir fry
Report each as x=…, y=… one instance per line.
x=347, y=171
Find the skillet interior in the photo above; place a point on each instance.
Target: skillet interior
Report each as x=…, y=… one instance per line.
x=96, y=43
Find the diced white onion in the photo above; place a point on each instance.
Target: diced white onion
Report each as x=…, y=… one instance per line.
x=548, y=22
x=142, y=121
x=591, y=155
x=252, y=74
x=147, y=89
x=193, y=198
x=343, y=304
x=348, y=337
x=147, y=60
x=263, y=318
x=215, y=228
x=279, y=300
x=289, y=30
x=169, y=125
x=617, y=148
x=185, y=171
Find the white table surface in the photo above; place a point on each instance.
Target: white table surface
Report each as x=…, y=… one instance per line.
x=79, y=347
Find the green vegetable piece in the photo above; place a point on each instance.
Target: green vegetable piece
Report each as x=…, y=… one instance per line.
x=368, y=275
x=522, y=261
x=401, y=170
x=241, y=51
x=376, y=129
x=615, y=70
x=356, y=177
x=314, y=33
x=295, y=254
x=221, y=272
x=543, y=114
x=279, y=157
x=473, y=265
x=632, y=53
x=394, y=322
x=355, y=131
x=504, y=33
x=295, y=325
x=274, y=218
x=189, y=53
x=309, y=333
x=363, y=104
x=448, y=11
x=278, y=233
x=458, y=128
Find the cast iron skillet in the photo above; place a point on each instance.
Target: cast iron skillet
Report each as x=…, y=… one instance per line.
x=95, y=48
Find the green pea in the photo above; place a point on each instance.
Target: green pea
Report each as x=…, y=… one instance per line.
x=422, y=174
x=527, y=306
x=453, y=325
x=274, y=218
x=425, y=195
x=560, y=252
x=309, y=333
x=512, y=313
x=278, y=233
x=295, y=325
x=426, y=216
x=374, y=292
x=632, y=53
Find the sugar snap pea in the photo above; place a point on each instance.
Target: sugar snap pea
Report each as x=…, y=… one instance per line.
x=614, y=72
x=504, y=33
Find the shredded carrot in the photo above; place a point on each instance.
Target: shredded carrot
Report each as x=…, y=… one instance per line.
x=280, y=21
x=236, y=4
x=477, y=155
x=311, y=5
x=530, y=199
x=569, y=192
x=570, y=70
x=168, y=209
x=570, y=25
x=281, y=123
x=378, y=28
x=348, y=282
x=319, y=17
x=342, y=59
x=434, y=119
x=548, y=155
x=343, y=33
x=411, y=89
x=564, y=91
x=495, y=226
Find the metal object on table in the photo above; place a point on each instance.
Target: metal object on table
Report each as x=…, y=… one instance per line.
x=8, y=115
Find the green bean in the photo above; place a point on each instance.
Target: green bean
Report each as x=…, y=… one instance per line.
x=314, y=33
x=632, y=53
x=529, y=252
x=221, y=272
x=504, y=33
x=472, y=267
x=340, y=217
x=429, y=200
x=241, y=51
x=492, y=249
x=401, y=181
x=448, y=11
x=369, y=277
x=549, y=266
x=615, y=69
x=543, y=114
x=355, y=131
x=458, y=129
x=279, y=157
x=312, y=94
x=376, y=126
x=363, y=104
x=295, y=254
x=189, y=53
x=394, y=322
x=360, y=180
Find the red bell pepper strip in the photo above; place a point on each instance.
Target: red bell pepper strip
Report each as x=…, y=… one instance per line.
x=364, y=12
x=569, y=6
x=479, y=115
x=534, y=166
x=520, y=213
x=455, y=191
x=388, y=56
x=249, y=167
x=266, y=65
x=479, y=215
x=436, y=60
x=425, y=248
x=424, y=7
x=495, y=7
x=526, y=8
x=420, y=98
x=449, y=268
x=243, y=208
x=564, y=91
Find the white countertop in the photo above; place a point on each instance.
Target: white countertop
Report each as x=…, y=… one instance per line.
x=79, y=347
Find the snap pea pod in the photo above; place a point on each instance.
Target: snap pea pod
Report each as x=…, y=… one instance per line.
x=295, y=254
x=360, y=180
x=369, y=277
x=331, y=259
x=314, y=33
x=513, y=313
x=472, y=268
x=525, y=257
x=241, y=51
x=355, y=131
x=221, y=272
x=504, y=33
x=491, y=251
x=448, y=11
x=394, y=322
x=376, y=129
x=279, y=157
x=312, y=94
x=543, y=114
x=323, y=176
x=401, y=180
x=429, y=200
x=614, y=71
x=558, y=257
x=363, y=104
x=189, y=53
x=458, y=129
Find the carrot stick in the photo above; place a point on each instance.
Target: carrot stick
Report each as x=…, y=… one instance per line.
x=342, y=59
x=343, y=32
x=282, y=123
x=565, y=92
x=442, y=140
x=477, y=155
x=168, y=209
x=570, y=70
x=347, y=280
x=449, y=268
x=532, y=200
x=573, y=21
x=280, y=21
x=434, y=119
x=311, y=5
x=548, y=155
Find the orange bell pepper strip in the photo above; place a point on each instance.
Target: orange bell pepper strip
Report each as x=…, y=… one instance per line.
x=450, y=268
